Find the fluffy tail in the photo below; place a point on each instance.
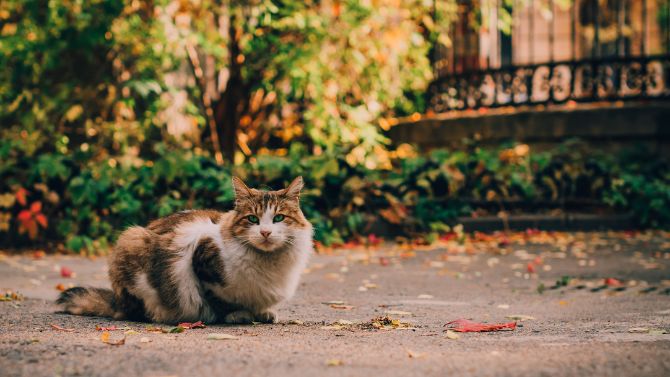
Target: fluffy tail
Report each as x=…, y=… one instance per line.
x=87, y=301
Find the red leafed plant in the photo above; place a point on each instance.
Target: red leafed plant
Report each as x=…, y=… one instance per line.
x=31, y=219
x=464, y=325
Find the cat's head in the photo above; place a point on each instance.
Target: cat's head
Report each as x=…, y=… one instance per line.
x=269, y=220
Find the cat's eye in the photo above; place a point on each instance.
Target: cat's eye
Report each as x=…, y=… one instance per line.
x=253, y=219
x=278, y=218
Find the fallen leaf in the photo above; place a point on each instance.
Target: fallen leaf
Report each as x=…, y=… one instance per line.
x=61, y=328
x=464, y=325
x=519, y=317
x=194, y=325
x=221, y=336
x=296, y=322
x=334, y=302
x=156, y=329
x=131, y=332
x=104, y=337
x=334, y=362
x=100, y=328
x=451, y=335
x=11, y=296
x=397, y=312
x=66, y=272
x=385, y=323
x=612, y=282
x=638, y=330
x=342, y=307
x=176, y=330
x=61, y=287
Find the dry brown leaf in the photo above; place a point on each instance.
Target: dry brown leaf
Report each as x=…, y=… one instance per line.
x=104, y=337
x=61, y=328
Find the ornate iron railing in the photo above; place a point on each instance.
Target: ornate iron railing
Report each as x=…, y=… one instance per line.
x=608, y=79
x=594, y=50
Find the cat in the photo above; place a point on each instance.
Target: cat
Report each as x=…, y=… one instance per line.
x=204, y=265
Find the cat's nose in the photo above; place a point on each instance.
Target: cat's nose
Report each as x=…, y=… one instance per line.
x=266, y=233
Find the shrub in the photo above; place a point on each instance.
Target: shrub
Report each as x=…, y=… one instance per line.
x=84, y=202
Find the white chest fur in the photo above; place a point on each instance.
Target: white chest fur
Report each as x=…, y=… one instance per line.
x=253, y=279
x=260, y=281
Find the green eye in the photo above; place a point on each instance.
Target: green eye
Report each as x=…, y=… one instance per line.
x=278, y=218
x=253, y=219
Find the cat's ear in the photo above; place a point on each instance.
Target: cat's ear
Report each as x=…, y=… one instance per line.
x=293, y=189
x=241, y=190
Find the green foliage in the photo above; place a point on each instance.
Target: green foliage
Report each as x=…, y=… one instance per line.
x=642, y=185
x=88, y=202
x=77, y=74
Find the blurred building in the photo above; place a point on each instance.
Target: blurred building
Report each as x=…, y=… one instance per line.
x=548, y=70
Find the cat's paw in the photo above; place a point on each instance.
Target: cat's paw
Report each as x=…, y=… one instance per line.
x=268, y=316
x=239, y=317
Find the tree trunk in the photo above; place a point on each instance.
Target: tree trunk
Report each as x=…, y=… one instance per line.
x=231, y=104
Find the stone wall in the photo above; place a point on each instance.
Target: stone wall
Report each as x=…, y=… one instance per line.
x=606, y=127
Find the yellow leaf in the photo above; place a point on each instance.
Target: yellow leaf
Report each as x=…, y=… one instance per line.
x=451, y=335
x=73, y=113
x=8, y=30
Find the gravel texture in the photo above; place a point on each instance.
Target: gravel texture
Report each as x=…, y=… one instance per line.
x=575, y=331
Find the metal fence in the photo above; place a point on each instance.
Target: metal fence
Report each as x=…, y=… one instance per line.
x=582, y=51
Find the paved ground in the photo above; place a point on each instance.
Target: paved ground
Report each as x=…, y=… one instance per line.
x=576, y=331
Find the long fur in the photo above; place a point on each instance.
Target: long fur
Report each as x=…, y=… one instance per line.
x=87, y=301
x=206, y=265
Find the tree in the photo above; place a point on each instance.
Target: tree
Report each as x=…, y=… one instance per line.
x=79, y=73
x=323, y=73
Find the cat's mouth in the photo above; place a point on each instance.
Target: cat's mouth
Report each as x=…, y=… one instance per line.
x=266, y=245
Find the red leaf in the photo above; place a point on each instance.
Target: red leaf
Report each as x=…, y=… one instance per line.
x=21, y=196
x=42, y=220
x=61, y=328
x=66, y=272
x=612, y=282
x=194, y=325
x=100, y=328
x=464, y=325
x=448, y=236
x=530, y=268
x=374, y=240
x=31, y=227
x=36, y=207
x=24, y=216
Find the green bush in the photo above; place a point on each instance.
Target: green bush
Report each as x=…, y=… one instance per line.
x=84, y=202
